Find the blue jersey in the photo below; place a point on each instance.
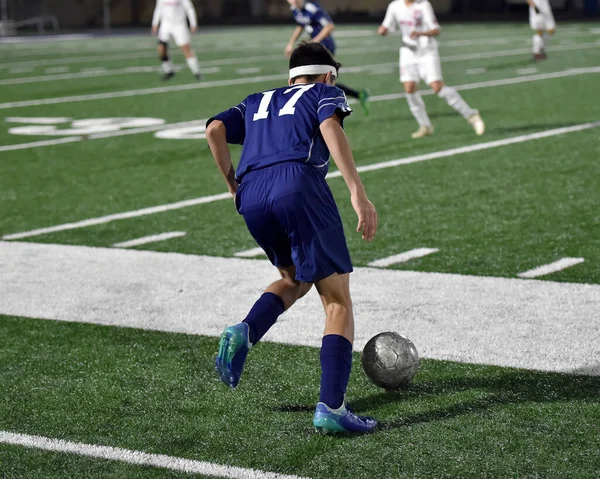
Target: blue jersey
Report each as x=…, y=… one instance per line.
x=313, y=18
x=283, y=125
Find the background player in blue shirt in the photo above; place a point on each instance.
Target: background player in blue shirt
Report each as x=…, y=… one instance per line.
x=313, y=19
x=280, y=190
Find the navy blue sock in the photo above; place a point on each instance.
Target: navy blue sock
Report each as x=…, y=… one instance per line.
x=336, y=364
x=263, y=315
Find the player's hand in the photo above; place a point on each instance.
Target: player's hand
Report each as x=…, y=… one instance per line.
x=289, y=49
x=193, y=29
x=154, y=30
x=414, y=34
x=367, y=217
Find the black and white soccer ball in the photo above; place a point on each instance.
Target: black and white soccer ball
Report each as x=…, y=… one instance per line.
x=390, y=360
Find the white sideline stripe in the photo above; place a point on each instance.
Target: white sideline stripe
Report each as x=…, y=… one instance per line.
x=150, y=239
x=472, y=148
x=237, y=81
x=403, y=257
x=559, y=265
x=166, y=291
x=335, y=174
x=139, y=458
x=37, y=144
x=475, y=71
x=251, y=253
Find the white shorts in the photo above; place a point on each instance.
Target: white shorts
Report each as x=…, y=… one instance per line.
x=179, y=32
x=541, y=21
x=415, y=67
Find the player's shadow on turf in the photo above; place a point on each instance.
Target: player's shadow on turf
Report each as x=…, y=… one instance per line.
x=510, y=388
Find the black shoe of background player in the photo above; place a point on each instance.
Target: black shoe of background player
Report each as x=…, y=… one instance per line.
x=198, y=76
x=168, y=76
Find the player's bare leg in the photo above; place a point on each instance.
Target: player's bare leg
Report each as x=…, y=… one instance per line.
x=192, y=60
x=418, y=110
x=546, y=38
x=539, y=51
x=332, y=415
x=456, y=101
x=166, y=63
x=236, y=340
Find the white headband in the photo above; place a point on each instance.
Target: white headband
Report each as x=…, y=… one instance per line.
x=312, y=70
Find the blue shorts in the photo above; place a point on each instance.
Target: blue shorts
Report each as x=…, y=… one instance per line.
x=291, y=213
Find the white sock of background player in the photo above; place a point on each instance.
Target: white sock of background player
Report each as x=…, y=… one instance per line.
x=417, y=108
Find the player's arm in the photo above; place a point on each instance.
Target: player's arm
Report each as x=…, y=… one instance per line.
x=534, y=6
x=327, y=30
x=190, y=11
x=293, y=39
x=338, y=145
x=389, y=23
x=428, y=33
x=227, y=127
x=430, y=23
x=216, y=134
x=156, y=17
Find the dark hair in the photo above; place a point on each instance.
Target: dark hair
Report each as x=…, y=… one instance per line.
x=307, y=53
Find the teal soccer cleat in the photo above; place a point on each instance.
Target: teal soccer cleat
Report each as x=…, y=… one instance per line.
x=363, y=98
x=233, y=349
x=342, y=420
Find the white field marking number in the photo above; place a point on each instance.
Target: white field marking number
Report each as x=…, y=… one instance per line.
x=41, y=126
x=47, y=126
x=288, y=109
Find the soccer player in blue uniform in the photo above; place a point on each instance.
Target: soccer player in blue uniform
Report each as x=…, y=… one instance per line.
x=313, y=19
x=280, y=190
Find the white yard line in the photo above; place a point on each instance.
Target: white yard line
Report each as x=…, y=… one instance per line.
x=501, y=82
x=138, y=458
x=472, y=148
x=150, y=239
x=335, y=174
x=403, y=257
x=145, y=91
x=38, y=144
x=388, y=97
x=93, y=73
x=122, y=216
x=357, y=69
x=251, y=253
x=527, y=71
x=546, y=269
x=475, y=71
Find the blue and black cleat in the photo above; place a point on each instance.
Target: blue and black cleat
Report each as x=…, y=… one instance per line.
x=342, y=420
x=233, y=349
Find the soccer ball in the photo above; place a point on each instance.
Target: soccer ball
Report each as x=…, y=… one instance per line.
x=390, y=360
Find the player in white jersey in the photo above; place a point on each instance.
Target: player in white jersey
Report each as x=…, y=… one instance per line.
x=420, y=60
x=172, y=15
x=542, y=22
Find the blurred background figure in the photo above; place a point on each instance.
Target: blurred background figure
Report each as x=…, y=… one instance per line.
x=169, y=22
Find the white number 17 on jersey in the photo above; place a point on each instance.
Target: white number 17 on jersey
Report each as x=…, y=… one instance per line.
x=288, y=109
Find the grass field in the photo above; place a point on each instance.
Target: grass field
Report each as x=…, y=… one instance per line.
x=115, y=348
